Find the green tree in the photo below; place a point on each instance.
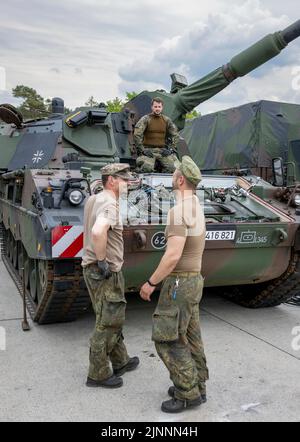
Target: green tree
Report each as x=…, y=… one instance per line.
x=130, y=95
x=193, y=114
x=33, y=106
x=115, y=105
x=91, y=102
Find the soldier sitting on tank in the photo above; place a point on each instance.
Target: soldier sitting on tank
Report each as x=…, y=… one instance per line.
x=156, y=138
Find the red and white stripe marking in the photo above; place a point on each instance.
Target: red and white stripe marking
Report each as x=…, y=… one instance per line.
x=67, y=242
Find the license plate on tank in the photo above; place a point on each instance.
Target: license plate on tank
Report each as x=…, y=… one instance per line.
x=221, y=235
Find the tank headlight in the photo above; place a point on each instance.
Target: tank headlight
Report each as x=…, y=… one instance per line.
x=75, y=197
x=297, y=200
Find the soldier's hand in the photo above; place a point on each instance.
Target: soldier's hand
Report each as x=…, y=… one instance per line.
x=148, y=153
x=167, y=152
x=104, y=269
x=139, y=150
x=146, y=292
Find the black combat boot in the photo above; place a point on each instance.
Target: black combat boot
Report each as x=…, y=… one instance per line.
x=171, y=392
x=131, y=365
x=112, y=382
x=177, y=405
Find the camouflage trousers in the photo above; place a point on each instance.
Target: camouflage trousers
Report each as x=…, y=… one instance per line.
x=148, y=165
x=107, y=343
x=177, y=336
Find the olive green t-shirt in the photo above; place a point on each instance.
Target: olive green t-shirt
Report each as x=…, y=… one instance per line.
x=104, y=205
x=186, y=219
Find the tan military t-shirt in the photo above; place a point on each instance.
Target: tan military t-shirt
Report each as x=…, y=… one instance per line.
x=104, y=205
x=187, y=219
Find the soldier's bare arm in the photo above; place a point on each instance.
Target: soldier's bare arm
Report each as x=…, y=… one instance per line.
x=99, y=236
x=167, y=264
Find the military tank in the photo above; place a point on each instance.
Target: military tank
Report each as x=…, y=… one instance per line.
x=49, y=167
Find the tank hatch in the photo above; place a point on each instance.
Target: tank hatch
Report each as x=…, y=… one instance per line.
x=10, y=115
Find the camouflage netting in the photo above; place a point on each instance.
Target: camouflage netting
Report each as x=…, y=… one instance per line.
x=248, y=136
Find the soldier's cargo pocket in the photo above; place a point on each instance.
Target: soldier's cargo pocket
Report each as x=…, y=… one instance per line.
x=165, y=325
x=113, y=311
x=113, y=314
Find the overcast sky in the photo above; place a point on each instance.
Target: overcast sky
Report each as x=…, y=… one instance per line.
x=78, y=48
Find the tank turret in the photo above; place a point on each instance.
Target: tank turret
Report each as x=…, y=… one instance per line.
x=184, y=98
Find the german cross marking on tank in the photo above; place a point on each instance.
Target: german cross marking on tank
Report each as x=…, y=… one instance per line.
x=38, y=156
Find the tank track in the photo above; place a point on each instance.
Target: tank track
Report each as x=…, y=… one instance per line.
x=270, y=294
x=295, y=301
x=65, y=296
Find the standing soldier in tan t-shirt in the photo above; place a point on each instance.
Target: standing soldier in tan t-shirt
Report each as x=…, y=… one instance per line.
x=176, y=323
x=102, y=263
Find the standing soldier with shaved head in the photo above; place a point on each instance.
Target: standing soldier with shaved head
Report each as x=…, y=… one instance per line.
x=156, y=138
x=102, y=269
x=176, y=323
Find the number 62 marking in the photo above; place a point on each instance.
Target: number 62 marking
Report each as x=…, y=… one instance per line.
x=158, y=240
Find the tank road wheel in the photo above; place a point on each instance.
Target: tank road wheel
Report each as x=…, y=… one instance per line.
x=9, y=245
x=34, y=281
x=31, y=276
x=7, y=232
x=32, y=284
x=268, y=294
x=43, y=271
x=21, y=253
x=26, y=269
x=16, y=248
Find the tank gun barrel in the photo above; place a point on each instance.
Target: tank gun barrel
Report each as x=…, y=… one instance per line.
x=291, y=32
x=242, y=64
